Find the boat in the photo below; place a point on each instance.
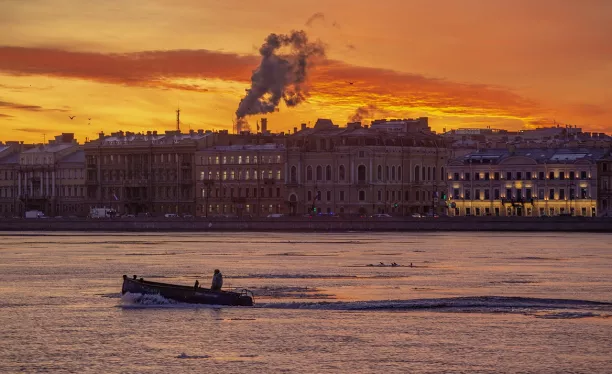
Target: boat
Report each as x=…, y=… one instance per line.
x=186, y=294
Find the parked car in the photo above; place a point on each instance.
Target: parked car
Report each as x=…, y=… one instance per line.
x=171, y=215
x=187, y=216
x=381, y=215
x=275, y=215
x=416, y=215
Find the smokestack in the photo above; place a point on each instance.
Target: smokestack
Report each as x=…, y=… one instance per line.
x=280, y=76
x=264, y=125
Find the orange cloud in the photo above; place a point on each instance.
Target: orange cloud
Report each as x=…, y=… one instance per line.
x=390, y=91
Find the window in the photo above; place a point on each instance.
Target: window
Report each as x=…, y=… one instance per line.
x=572, y=193
x=487, y=176
x=416, y=173
x=455, y=193
x=341, y=198
x=508, y=193
x=361, y=154
x=519, y=194
x=379, y=195
x=399, y=173
x=361, y=195
x=477, y=194
x=551, y=194
x=361, y=173
x=341, y=172
x=319, y=173
x=583, y=175
x=509, y=175
x=456, y=176
x=528, y=194
x=476, y=176
x=528, y=175
x=309, y=173
x=496, y=175
x=487, y=195
x=309, y=195
x=562, y=194
x=329, y=197
x=379, y=173
x=583, y=193
x=551, y=175
x=393, y=173
x=562, y=175
x=467, y=176
x=468, y=194
x=328, y=173
x=519, y=175
x=428, y=173
x=293, y=174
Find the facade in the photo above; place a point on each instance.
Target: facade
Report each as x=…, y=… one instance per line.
x=241, y=175
x=604, y=186
x=360, y=170
x=137, y=173
x=9, y=165
x=46, y=182
x=524, y=182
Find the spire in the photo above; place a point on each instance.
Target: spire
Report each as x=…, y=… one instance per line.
x=178, y=119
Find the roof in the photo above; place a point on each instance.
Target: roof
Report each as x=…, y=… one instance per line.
x=50, y=148
x=78, y=156
x=539, y=155
x=12, y=159
x=247, y=147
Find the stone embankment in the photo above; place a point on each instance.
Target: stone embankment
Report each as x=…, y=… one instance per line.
x=566, y=224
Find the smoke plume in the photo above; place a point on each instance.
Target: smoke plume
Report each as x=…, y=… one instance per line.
x=369, y=111
x=280, y=76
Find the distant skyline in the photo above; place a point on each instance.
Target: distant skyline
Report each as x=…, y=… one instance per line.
x=117, y=65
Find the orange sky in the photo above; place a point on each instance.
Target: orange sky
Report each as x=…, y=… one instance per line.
x=128, y=64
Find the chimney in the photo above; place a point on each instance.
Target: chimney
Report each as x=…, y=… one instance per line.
x=155, y=133
x=264, y=125
x=148, y=133
x=101, y=135
x=295, y=130
x=303, y=126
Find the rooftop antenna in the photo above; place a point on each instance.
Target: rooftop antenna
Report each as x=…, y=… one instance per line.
x=178, y=119
x=44, y=138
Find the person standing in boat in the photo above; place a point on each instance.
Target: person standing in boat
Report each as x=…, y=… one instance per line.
x=217, y=281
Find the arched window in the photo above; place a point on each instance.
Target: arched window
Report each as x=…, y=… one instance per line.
x=379, y=173
x=428, y=173
x=423, y=173
x=433, y=173
x=309, y=173
x=319, y=173
x=293, y=174
x=393, y=173
x=341, y=172
x=361, y=173
x=328, y=173
x=399, y=173
x=417, y=171
x=441, y=173
x=387, y=173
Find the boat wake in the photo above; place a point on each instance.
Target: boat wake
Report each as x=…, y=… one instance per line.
x=537, y=307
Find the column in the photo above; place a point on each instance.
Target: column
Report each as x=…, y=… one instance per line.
x=53, y=184
x=47, y=189
x=19, y=184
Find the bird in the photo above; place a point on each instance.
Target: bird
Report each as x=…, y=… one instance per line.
x=350, y=82
x=71, y=117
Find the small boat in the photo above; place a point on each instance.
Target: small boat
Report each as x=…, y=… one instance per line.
x=186, y=294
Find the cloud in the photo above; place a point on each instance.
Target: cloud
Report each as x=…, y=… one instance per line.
x=32, y=130
x=30, y=108
x=315, y=17
x=396, y=92
x=2, y=115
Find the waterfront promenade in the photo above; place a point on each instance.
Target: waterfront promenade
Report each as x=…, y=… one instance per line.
x=565, y=224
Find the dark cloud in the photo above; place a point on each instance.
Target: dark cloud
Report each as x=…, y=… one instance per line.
x=29, y=108
x=2, y=115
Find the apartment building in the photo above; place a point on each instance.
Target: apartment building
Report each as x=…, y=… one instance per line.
x=524, y=182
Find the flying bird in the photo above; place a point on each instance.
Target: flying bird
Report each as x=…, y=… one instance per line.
x=350, y=83
x=71, y=117
x=89, y=119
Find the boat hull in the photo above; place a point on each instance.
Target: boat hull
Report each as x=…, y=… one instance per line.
x=185, y=294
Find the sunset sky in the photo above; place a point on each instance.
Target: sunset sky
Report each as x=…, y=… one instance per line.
x=118, y=64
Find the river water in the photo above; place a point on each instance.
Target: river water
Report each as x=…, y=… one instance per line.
x=470, y=302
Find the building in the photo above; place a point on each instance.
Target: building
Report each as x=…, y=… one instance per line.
x=9, y=166
x=420, y=124
x=524, y=182
x=138, y=173
x=363, y=170
x=46, y=182
x=241, y=175
x=604, y=185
